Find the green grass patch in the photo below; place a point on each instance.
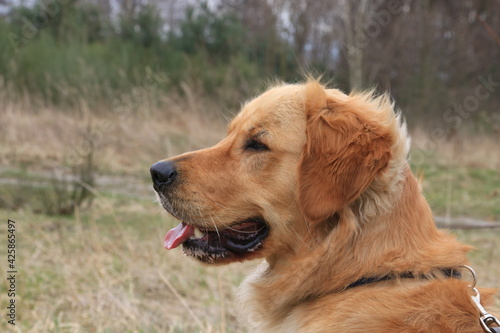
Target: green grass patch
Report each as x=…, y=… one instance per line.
x=461, y=191
x=53, y=197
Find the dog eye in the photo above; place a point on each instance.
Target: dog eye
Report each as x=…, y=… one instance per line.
x=255, y=145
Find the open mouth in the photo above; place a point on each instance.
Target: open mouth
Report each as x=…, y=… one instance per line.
x=210, y=246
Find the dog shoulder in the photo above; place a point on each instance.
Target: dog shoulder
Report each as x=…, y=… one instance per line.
x=395, y=306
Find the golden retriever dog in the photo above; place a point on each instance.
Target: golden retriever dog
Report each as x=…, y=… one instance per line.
x=317, y=183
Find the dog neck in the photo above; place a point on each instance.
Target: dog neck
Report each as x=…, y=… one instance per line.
x=400, y=240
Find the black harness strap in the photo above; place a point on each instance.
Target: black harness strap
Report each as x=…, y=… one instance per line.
x=448, y=272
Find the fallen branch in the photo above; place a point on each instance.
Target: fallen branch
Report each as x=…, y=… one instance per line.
x=464, y=223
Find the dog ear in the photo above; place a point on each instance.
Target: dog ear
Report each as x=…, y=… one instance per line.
x=344, y=152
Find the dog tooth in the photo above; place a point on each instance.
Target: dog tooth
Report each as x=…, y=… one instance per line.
x=198, y=233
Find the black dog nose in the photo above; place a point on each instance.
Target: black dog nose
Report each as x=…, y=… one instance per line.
x=163, y=173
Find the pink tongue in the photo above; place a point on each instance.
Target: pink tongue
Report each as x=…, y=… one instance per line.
x=178, y=235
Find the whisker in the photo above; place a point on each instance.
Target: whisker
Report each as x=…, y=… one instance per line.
x=229, y=227
x=215, y=225
x=215, y=202
x=226, y=117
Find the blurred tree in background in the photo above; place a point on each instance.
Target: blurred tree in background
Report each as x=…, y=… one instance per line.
x=427, y=53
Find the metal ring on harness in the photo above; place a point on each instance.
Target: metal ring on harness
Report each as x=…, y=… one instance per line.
x=485, y=319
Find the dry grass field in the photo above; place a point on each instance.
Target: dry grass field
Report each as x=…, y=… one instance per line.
x=106, y=271
x=104, y=268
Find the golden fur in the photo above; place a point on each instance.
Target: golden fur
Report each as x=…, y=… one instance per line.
x=341, y=204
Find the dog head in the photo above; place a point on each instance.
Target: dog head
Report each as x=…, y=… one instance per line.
x=293, y=158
